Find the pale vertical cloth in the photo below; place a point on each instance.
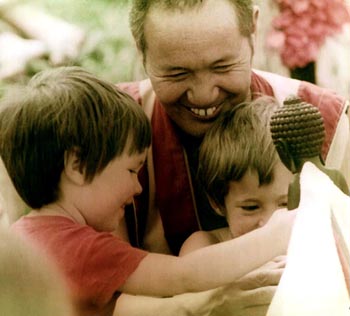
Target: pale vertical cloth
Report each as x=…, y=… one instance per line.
x=154, y=238
x=313, y=282
x=333, y=63
x=339, y=152
x=266, y=58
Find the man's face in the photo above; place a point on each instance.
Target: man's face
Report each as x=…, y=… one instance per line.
x=198, y=62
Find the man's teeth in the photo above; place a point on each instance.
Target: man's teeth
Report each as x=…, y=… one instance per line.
x=203, y=112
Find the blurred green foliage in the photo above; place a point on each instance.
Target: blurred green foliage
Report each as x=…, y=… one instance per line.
x=108, y=50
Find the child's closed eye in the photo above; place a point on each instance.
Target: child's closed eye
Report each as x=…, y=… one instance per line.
x=283, y=204
x=250, y=208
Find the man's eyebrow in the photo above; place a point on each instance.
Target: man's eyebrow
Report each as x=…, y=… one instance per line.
x=174, y=68
x=222, y=60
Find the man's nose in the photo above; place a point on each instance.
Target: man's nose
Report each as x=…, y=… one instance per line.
x=203, y=90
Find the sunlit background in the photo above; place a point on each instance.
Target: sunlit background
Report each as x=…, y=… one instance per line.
x=107, y=48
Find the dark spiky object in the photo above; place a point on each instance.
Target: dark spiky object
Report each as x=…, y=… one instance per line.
x=300, y=126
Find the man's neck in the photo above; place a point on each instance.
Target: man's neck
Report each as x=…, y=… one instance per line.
x=189, y=142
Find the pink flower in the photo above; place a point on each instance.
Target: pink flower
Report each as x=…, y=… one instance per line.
x=298, y=7
x=300, y=29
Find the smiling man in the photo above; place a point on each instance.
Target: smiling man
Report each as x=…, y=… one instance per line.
x=194, y=77
x=198, y=57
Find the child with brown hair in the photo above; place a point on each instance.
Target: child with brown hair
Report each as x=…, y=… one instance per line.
x=73, y=145
x=241, y=173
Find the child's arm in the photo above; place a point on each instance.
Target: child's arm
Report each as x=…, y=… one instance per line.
x=213, y=266
x=179, y=305
x=249, y=296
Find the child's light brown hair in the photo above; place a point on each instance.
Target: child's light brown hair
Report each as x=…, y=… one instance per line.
x=239, y=141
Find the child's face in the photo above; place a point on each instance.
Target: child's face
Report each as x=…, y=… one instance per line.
x=249, y=206
x=102, y=202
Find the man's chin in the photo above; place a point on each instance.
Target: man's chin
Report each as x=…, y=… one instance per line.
x=196, y=130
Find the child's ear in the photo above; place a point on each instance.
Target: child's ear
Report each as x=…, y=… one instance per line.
x=218, y=209
x=72, y=167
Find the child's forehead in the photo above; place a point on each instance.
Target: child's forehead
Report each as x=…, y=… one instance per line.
x=261, y=195
x=140, y=156
x=250, y=185
x=246, y=185
x=131, y=152
x=131, y=147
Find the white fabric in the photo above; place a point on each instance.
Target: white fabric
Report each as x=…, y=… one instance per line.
x=313, y=282
x=339, y=152
x=282, y=86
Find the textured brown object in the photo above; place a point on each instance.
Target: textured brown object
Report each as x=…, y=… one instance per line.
x=300, y=126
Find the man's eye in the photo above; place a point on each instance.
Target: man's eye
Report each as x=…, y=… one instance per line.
x=283, y=204
x=133, y=171
x=250, y=207
x=223, y=68
x=177, y=75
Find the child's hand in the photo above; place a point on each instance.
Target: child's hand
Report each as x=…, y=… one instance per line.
x=251, y=295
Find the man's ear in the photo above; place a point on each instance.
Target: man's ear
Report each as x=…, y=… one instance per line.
x=72, y=167
x=142, y=57
x=218, y=210
x=255, y=27
x=256, y=11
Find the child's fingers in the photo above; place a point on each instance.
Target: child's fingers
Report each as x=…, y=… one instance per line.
x=261, y=278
